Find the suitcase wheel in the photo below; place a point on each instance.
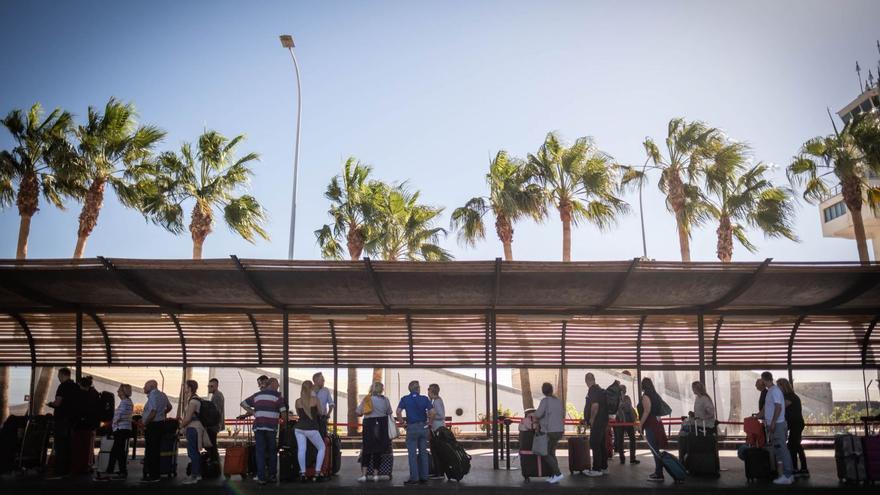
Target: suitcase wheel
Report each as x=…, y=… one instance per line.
x=226, y=476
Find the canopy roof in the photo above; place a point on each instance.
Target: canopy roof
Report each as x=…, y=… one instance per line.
x=231, y=312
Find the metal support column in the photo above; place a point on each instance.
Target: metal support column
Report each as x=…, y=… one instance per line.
x=487, y=382
x=495, y=432
x=639, y=357
x=79, y=344
x=702, y=348
x=285, y=359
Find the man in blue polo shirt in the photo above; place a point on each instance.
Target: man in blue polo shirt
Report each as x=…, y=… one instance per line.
x=419, y=414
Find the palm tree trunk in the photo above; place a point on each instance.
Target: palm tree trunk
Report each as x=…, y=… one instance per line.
x=88, y=217
x=505, y=232
x=28, y=201
x=565, y=216
x=684, y=240
x=735, y=414
x=861, y=236
x=851, y=190
x=41, y=389
x=508, y=250
x=24, y=230
x=4, y=393
x=352, y=402
x=200, y=227
x=525, y=387
x=197, y=248
x=724, y=248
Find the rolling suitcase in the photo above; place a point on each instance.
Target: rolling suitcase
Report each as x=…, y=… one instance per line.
x=11, y=435
x=671, y=465
x=286, y=462
x=578, y=454
x=450, y=455
x=531, y=465
x=104, y=450
x=754, y=431
x=701, y=453
x=335, y=453
x=871, y=453
x=237, y=460
x=168, y=449
x=760, y=465
x=312, y=456
x=34, y=446
x=849, y=459
x=386, y=466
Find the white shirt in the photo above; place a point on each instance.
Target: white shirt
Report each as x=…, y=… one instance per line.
x=774, y=396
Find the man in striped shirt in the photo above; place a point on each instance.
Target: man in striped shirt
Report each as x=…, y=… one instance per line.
x=266, y=406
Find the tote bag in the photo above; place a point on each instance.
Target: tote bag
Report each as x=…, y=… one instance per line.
x=540, y=444
x=393, y=432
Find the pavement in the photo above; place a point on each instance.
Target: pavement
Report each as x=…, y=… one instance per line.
x=622, y=479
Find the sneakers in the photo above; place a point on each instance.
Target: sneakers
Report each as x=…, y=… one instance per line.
x=150, y=480
x=656, y=478
x=436, y=477
x=119, y=477
x=635, y=461
x=195, y=479
x=593, y=474
x=784, y=480
x=803, y=473
x=363, y=478
x=555, y=479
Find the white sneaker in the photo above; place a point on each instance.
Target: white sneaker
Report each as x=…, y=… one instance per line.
x=604, y=472
x=555, y=479
x=784, y=480
x=362, y=478
x=190, y=480
x=376, y=477
x=592, y=474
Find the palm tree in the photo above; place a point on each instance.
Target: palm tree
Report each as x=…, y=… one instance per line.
x=581, y=183
x=851, y=155
x=406, y=228
x=111, y=146
x=353, y=201
x=34, y=162
x=512, y=196
x=210, y=178
x=742, y=196
x=687, y=144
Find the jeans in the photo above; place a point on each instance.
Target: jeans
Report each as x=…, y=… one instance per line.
x=152, y=448
x=266, y=447
x=192, y=451
x=119, y=452
x=212, y=436
x=553, y=438
x=597, y=445
x=417, y=451
x=619, y=432
x=652, y=441
x=780, y=449
x=795, y=433
x=313, y=436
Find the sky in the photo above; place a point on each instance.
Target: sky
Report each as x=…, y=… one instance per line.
x=427, y=91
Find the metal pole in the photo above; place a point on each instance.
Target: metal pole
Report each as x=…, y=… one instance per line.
x=295, y=155
x=335, y=397
x=495, y=435
x=79, y=344
x=31, y=409
x=702, y=348
x=285, y=358
x=642, y=212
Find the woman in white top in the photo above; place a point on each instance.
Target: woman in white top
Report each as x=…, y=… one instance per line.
x=376, y=411
x=704, y=410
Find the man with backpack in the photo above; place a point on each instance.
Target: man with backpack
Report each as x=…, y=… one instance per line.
x=219, y=403
x=596, y=416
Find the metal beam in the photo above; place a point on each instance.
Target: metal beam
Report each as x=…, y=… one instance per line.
x=107, y=348
x=747, y=282
x=257, y=337
x=377, y=287
x=794, y=329
x=180, y=336
x=30, y=337
x=79, y=344
x=715, y=341
x=866, y=344
x=702, y=348
x=562, y=344
x=494, y=352
x=864, y=283
x=617, y=288
x=130, y=282
x=409, y=336
x=333, y=343
x=639, y=354
x=496, y=283
x=9, y=282
x=285, y=359
x=256, y=288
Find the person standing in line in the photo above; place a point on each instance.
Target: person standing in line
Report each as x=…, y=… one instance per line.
x=551, y=416
x=306, y=429
x=703, y=414
x=376, y=411
x=625, y=414
x=438, y=421
x=596, y=416
x=266, y=407
x=121, y=427
x=759, y=384
x=774, y=422
x=194, y=432
x=64, y=406
x=649, y=410
x=325, y=402
x=419, y=415
x=220, y=403
x=155, y=412
x=794, y=416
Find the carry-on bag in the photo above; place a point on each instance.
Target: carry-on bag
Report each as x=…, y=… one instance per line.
x=849, y=459
x=871, y=453
x=754, y=430
x=82, y=451
x=168, y=449
x=701, y=453
x=671, y=465
x=237, y=457
x=335, y=453
x=578, y=454
x=386, y=466
x=531, y=465
x=286, y=462
x=33, y=448
x=759, y=463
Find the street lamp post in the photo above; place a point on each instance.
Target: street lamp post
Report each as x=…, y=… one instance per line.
x=287, y=42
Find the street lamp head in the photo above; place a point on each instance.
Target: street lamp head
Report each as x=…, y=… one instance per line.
x=286, y=41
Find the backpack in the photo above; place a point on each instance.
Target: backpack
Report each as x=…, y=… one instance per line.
x=612, y=397
x=209, y=416
x=106, y=406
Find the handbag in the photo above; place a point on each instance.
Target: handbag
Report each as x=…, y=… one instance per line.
x=664, y=410
x=393, y=432
x=540, y=443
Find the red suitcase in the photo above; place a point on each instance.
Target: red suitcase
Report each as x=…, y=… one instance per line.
x=82, y=447
x=578, y=454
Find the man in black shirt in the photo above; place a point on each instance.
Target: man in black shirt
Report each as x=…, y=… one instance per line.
x=65, y=406
x=596, y=416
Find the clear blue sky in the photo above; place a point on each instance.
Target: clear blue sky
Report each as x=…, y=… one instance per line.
x=427, y=91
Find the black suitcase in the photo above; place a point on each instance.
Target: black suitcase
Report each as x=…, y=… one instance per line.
x=210, y=465
x=288, y=468
x=335, y=453
x=848, y=456
x=700, y=456
x=578, y=454
x=10, y=441
x=759, y=464
x=450, y=455
x=33, y=452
